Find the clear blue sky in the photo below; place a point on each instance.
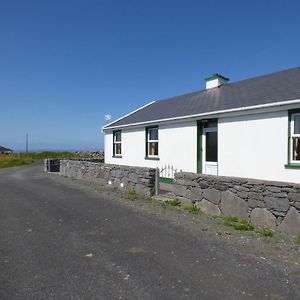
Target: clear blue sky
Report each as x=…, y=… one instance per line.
x=64, y=64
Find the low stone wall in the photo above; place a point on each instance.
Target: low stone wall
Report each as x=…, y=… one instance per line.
x=124, y=178
x=53, y=164
x=274, y=205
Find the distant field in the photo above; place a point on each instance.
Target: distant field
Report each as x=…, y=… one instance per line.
x=15, y=159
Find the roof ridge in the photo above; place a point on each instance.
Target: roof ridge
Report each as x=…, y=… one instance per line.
x=227, y=84
x=264, y=75
x=276, y=87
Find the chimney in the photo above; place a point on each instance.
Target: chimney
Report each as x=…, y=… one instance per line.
x=215, y=80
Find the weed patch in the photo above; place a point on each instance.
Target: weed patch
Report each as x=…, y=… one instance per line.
x=242, y=225
x=173, y=202
x=297, y=240
x=132, y=195
x=192, y=210
x=235, y=222
x=264, y=232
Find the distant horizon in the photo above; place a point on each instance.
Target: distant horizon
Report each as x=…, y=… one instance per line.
x=66, y=65
x=54, y=150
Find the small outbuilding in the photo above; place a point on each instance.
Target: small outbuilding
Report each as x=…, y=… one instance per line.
x=4, y=151
x=248, y=128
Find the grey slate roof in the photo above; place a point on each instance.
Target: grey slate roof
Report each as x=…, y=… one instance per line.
x=3, y=149
x=266, y=89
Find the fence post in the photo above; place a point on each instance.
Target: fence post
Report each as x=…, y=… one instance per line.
x=156, y=181
x=45, y=164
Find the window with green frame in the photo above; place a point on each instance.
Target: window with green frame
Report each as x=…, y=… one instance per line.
x=117, y=143
x=294, y=138
x=152, y=142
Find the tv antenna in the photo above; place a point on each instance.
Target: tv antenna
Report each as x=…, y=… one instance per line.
x=107, y=118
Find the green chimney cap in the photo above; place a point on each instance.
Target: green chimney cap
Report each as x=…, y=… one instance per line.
x=215, y=76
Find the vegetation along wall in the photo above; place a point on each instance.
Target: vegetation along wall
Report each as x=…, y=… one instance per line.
x=274, y=205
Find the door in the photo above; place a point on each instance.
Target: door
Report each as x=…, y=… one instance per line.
x=210, y=150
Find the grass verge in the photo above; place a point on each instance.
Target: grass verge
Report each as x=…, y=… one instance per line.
x=19, y=159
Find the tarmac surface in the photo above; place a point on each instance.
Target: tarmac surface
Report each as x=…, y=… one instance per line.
x=62, y=241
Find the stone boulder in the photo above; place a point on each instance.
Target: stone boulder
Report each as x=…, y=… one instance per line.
x=208, y=208
x=263, y=218
x=212, y=195
x=232, y=205
x=291, y=222
x=195, y=194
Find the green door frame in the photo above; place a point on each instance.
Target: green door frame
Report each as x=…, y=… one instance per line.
x=199, y=147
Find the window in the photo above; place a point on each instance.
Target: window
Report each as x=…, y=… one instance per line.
x=295, y=138
x=117, y=143
x=152, y=142
x=211, y=146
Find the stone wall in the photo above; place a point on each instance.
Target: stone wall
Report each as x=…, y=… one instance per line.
x=123, y=178
x=274, y=205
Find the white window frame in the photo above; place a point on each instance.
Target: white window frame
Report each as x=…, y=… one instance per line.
x=117, y=142
x=292, y=136
x=152, y=141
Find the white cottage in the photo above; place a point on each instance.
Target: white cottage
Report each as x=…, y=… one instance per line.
x=249, y=128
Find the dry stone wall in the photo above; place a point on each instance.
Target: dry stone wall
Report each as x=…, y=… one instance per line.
x=124, y=178
x=269, y=204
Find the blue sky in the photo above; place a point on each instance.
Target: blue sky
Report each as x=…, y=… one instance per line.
x=64, y=64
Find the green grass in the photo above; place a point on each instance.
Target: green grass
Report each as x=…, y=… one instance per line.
x=15, y=162
x=264, y=232
x=16, y=159
x=192, y=210
x=297, y=240
x=235, y=223
x=243, y=225
x=49, y=154
x=226, y=218
x=173, y=202
x=132, y=195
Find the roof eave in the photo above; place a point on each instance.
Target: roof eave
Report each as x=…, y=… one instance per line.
x=107, y=126
x=201, y=115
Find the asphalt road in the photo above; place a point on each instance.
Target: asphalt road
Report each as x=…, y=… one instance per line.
x=60, y=241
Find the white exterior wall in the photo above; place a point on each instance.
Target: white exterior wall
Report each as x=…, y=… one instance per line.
x=251, y=146
x=177, y=147
x=255, y=146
